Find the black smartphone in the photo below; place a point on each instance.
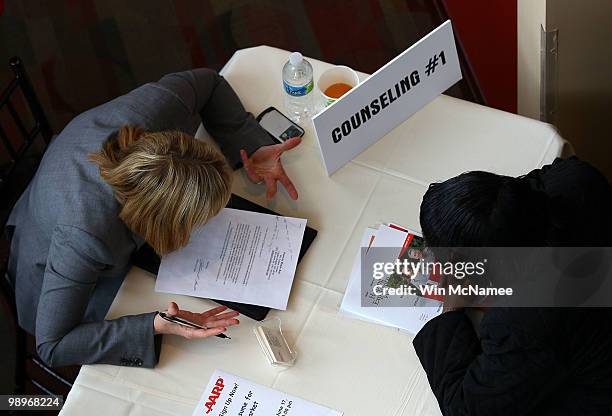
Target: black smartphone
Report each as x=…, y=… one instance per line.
x=278, y=125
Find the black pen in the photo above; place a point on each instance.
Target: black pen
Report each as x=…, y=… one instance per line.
x=185, y=322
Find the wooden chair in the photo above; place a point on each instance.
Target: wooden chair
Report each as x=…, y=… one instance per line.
x=24, y=136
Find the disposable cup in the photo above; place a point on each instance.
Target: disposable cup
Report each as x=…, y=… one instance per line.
x=337, y=74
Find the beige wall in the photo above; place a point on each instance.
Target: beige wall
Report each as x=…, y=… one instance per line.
x=584, y=87
x=531, y=16
x=584, y=100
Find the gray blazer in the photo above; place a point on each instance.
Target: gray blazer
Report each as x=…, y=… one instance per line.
x=70, y=252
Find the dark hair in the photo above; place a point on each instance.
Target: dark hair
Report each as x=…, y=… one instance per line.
x=479, y=209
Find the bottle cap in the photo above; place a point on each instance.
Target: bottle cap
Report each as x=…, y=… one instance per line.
x=295, y=58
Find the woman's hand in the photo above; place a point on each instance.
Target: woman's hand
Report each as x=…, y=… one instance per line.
x=215, y=320
x=265, y=166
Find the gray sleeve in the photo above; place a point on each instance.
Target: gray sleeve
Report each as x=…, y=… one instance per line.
x=204, y=92
x=62, y=338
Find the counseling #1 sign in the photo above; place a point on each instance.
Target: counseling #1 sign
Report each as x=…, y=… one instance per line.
x=388, y=97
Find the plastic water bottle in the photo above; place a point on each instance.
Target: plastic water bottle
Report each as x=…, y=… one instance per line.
x=298, y=85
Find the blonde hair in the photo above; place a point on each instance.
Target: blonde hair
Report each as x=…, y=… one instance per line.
x=166, y=182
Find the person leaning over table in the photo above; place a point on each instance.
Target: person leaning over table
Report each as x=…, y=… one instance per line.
x=119, y=175
x=524, y=361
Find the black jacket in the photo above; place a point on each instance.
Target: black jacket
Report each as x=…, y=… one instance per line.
x=525, y=362
x=532, y=361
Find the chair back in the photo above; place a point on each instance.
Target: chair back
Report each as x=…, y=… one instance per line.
x=24, y=136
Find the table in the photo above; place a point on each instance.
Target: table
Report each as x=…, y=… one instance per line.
x=346, y=364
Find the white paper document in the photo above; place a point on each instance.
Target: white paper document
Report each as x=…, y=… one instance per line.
x=228, y=395
x=410, y=313
x=238, y=256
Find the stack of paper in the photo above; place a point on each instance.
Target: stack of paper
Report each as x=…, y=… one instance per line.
x=408, y=312
x=238, y=256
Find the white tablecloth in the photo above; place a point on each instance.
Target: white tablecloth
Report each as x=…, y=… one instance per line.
x=349, y=365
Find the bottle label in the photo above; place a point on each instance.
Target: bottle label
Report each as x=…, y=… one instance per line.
x=298, y=91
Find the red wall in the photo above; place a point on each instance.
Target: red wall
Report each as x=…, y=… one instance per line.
x=487, y=31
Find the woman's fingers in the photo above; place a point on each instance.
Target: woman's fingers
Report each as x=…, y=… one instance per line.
x=193, y=333
x=284, y=179
x=212, y=328
x=213, y=311
x=226, y=315
x=270, y=187
x=212, y=319
x=245, y=158
x=201, y=316
x=248, y=168
x=173, y=308
x=291, y=143
x=222, y=323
